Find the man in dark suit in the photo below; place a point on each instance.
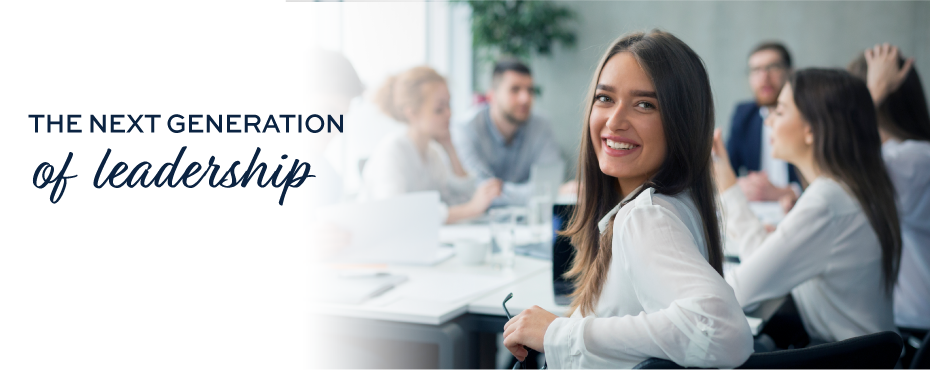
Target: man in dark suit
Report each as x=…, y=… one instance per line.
x=762, y=178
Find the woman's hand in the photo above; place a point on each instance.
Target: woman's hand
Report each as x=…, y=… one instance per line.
x=480, y=201
x=527, y=329
x=884, y=77
x=485, y=194
x=445, y=141
x=723, y=172
x=787, y=202
x=758, y=188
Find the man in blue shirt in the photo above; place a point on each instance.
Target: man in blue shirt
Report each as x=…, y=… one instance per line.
x=763, y=178
x=505, y=139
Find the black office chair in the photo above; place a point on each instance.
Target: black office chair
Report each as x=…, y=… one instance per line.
x=873, y=351
x=922, y=357
x=658, y=363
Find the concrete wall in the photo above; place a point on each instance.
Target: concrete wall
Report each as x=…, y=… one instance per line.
x=822, y=34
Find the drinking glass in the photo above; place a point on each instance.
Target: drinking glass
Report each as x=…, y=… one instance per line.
x=540, y=214
x=503, y=223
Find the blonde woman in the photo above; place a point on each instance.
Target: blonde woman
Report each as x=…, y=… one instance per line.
x=413, y=160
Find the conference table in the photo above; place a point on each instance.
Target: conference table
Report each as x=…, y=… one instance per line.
x=440, y=310
x=421, y=310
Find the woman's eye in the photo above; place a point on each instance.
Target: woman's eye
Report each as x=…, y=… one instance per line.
x=645, y=105
x=602, y=99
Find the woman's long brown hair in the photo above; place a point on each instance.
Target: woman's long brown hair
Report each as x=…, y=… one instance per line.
x=686, y=106
x=847, y=147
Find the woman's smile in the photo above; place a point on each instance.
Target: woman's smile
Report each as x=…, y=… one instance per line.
x=618, y=147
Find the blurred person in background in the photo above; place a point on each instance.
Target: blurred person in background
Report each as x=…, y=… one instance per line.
x=505, y=139
x=904, y=126
x=763, y=177
x=333, y=83
x=416, y=159
x=837, y=251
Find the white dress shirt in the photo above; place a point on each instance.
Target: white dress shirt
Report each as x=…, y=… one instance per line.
x=396, y=167
x=824, y=252
x=661, y=297
x=908, y=165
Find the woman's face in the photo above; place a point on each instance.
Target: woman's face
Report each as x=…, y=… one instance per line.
x=791, y=140
x=625, y=124
x=433, y=115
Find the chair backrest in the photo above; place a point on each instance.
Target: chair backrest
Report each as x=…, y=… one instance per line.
x=873, y=351
x=922, y=357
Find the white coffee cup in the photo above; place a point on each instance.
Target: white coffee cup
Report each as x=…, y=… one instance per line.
x=470, y=252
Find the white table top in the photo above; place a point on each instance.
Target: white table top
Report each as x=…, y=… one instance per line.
x=533, y=290
x=434, y=294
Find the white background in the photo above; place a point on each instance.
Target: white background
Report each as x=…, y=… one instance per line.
x=152, y=278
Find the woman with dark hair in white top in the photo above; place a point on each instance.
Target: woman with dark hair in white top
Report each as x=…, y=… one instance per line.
x=904, y=126
x=837, y=251
x=648, y=260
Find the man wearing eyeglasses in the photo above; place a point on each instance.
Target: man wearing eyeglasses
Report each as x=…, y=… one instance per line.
x=762, y=178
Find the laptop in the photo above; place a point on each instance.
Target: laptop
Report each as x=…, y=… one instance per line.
x=562, y=253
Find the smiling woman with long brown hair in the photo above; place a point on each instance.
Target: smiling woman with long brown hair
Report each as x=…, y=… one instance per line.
x=648, y=261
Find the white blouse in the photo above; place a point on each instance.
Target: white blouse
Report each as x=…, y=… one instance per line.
x=824, y=252
x=908, y=165
x=396, y=167
x=661, y=297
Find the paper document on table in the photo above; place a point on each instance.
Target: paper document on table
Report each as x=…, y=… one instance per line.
x=451, y=287
x=357, y=289
x=768, y=212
